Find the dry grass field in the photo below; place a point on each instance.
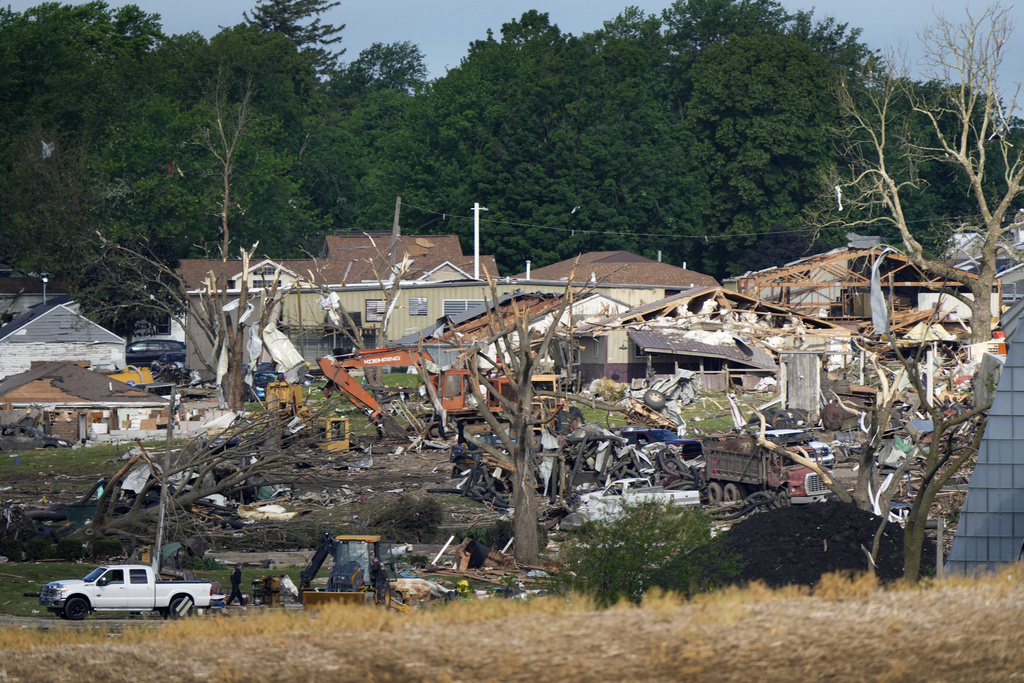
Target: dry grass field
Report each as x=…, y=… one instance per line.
x=845, y=630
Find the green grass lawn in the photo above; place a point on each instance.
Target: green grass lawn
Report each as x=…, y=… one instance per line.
x=18, y=578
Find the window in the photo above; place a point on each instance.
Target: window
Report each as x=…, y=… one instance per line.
x=114, y=577
x=456, y=306
x=375, y=309
x=417, y=305
x=138, y=576
x=144, y=328
x=452, y=386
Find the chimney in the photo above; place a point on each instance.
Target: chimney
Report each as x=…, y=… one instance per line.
x=659, y=256
x=527, y=269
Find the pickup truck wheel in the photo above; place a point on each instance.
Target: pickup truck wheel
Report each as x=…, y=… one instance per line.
x=733, y=493
x=654, y=399
x=175, y=610
x=76, y=609
x=715, y=493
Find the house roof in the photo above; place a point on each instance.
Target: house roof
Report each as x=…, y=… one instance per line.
x=352, y=259
x=475, y=324
x=68, y=383
x=622, y=268
x=38, y=311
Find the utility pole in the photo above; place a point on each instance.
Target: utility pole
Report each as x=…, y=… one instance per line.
x=476, y=239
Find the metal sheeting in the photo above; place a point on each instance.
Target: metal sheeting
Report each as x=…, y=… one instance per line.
x=675, y=343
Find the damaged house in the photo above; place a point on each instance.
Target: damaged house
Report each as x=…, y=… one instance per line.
x=726, y=339
x=446, y=334
x=836, y=286
x=625, y=276
x=57, y=331
x=341, y=289
x=77, y=403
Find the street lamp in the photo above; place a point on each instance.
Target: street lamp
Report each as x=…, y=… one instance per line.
x=45, y=277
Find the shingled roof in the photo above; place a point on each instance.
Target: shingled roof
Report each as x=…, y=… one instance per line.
x=622, y=268
x=351, y=259
x=68, y=383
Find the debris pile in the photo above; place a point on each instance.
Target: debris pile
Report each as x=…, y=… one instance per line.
x=797, y=545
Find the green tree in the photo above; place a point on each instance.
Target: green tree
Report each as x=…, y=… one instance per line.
x=648, y=546
x=291, y=18
x=566, y=140
x=393, y=66
x=760, y=114
x=64, y=71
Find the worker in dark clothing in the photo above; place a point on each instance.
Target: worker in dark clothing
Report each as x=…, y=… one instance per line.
x=379, y=581
x=236, y=584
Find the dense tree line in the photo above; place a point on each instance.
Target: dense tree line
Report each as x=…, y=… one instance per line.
x=704, y=133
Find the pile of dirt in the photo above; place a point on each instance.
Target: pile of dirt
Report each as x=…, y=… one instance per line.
x=798, y=544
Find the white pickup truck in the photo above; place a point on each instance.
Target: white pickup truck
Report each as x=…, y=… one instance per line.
x=124, y=588
x=608, y=503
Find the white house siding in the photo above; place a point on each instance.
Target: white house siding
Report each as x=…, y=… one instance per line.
x=16, y=358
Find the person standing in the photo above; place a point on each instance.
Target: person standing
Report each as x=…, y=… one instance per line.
x=236, y=584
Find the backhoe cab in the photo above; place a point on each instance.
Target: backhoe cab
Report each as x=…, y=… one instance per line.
x=359, y=576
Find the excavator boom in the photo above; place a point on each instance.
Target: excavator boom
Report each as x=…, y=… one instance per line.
x=336, y=369
x=451, y=390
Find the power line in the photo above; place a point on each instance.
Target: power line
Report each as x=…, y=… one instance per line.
x=669, y=236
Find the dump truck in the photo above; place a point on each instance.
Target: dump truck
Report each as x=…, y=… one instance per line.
x=735, y=466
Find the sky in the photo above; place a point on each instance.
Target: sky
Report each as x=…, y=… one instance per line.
x=443, y=29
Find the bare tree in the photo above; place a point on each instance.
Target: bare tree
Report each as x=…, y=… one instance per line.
x=517, y=352
x=967, y=124
x=211, y=315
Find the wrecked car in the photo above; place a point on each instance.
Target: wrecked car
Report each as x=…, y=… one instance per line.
x=642, y=436
x=608, y=503
x=22, y=438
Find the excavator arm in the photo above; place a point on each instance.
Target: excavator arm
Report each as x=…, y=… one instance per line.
x=326, y=547
x=336, y=371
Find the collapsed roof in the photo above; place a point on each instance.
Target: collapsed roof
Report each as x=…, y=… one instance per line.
x=712, y=322
x=66, y=384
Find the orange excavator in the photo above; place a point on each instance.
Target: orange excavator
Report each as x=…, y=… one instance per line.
x=451, y=391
